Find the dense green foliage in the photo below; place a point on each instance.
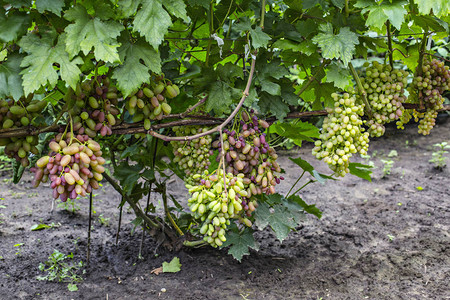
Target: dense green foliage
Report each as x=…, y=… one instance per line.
x=124, y=72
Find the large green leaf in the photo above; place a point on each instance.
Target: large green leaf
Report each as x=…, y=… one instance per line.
x=440, y=8
x=54, y=6
x=13, y=26
x=39, y=70
x=307, y=167
x=89, y=32
x=339, y=76
x=10, y=79
x=128, y=175
x=176, y=8
x=132, y=73
x=240, y=242
x=341, y=45
x=219, y=99
x=152, y=21
x=379, y=13
x=274, y=105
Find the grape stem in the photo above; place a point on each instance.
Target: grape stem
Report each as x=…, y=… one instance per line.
x=223, y=164
x=217, y=128
x=303, y=186
x=166, y=210
x=361, y=91
x=388, y=29
x=133, y=205
x=292, y=187
x=313, y=77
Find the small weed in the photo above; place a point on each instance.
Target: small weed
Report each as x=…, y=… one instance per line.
x=391, y=237
x=366, y=157
x=387, y=167
x=438, y=157
x=19, y=248
x=393, y=153
x=59, y=270
x=103, y=221
x=71, y=205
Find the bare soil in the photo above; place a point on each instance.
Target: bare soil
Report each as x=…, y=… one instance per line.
x=384, y=239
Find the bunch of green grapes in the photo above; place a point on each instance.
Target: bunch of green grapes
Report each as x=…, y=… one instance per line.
x=16, y=114
x=192, y=156
x=74, y=166
x=385, y=89
x=95, y=110
x=150, y=101
x=342, y=134
x=214, y=202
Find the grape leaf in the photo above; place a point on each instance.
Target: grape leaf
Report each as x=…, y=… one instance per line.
x=379, y=13
x=127, y=175
x=341, y=46
x=281, y=222
x=202, y=3
x=219, y=99
x=311, y=209
x=339, y=76
x=298, y=132
x=10, y=79
x=13, y=26
x=38, y=64
x=19, y=3
x=152, y=21
x=132, y=73
x=128, y=8
x=307, y=167
x=440, y=7
x=176, y=8
x=360, y=170
x=87, y=32
x=273, y=104
x=172, y=267
x=262, y=215
x=259, y=38
x=240, y=242
x=54, y=6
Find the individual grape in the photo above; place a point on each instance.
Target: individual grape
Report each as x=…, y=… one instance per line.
x=74, y=166
x=342, y=134
x=385, y=93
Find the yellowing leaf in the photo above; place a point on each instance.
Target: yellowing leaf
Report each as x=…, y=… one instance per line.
x=172, y=267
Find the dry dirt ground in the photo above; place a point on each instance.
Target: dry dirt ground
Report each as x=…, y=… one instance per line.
x=376, y=240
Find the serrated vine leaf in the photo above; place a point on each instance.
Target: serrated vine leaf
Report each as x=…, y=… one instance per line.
x=239, y=243
x=13, y=26
x=341, y=45
x=298, y=132
x=54, y=6
x=440, y=8
x=273, y=104
x=128, y=8
x=10, y=79
x=132, y=73
x=87, y=32
x=127, y=175
x=259, y=38
x=309, y=208
x=339, y=76
x=379, y=13
x=152, y=21
x=39, y=70
x=281, y=222
x=219, y=99
x=176, y=8
x=262, y=215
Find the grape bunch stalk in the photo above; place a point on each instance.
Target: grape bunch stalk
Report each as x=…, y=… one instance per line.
x=74, y=166
x=95, y=110
x=16, y=114
x=429, y=88
x=150, y=101
x=385, y=89
x=342, y=134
